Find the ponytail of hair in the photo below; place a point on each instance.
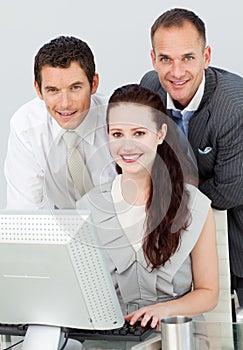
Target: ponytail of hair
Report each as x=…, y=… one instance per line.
x=167, y=213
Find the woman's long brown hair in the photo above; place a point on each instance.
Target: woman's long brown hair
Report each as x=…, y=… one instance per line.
x=167, y=213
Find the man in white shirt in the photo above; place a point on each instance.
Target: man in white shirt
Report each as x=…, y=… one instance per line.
x=35, y=166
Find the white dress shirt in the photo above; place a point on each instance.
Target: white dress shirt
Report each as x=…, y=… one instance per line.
x=131, y=217
x=35, y=166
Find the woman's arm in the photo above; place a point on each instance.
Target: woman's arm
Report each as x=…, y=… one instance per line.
x=204, y=297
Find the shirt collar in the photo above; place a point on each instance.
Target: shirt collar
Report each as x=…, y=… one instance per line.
x=194, y=103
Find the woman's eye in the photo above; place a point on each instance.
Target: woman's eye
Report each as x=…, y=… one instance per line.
x=139, y=133
x=116, y=134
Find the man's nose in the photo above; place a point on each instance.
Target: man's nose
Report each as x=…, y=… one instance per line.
x=65, y=99
x=178, y=69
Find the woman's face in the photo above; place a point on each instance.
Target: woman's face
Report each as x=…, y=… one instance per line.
x=133, y=137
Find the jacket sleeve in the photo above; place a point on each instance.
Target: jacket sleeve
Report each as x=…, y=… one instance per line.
x=225, y=187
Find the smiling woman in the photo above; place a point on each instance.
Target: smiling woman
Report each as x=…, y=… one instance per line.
x=134, y=137
x=158, y=231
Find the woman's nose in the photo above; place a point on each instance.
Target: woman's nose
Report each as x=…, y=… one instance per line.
x=127, y=144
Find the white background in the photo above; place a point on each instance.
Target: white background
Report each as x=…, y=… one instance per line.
x=118, y=32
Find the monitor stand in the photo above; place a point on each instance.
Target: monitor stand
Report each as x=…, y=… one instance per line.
x=42, y=337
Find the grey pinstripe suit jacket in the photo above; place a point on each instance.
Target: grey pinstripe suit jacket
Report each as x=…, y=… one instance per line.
x=218, y=124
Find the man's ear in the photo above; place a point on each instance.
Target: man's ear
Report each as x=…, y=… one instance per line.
x=153, y=57
x=95, y=83
x=37, y=88
x=207, y=56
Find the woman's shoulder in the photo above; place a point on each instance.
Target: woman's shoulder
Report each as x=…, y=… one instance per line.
x=99, y=202
x=199, y=205
x=95, y=195
x=197, y=198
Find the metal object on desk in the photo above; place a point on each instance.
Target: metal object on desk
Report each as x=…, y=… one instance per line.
x=4, y=339
x=176, y=333
x=239, y=315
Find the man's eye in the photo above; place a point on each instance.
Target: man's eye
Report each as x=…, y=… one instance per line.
x=51, y=90
x=76, y=87
x=164, y=59
x=189, y=58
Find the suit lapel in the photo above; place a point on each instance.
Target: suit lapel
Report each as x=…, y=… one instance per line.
x=200, y=118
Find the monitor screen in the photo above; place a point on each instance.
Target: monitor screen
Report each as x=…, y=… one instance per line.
x=52, y=271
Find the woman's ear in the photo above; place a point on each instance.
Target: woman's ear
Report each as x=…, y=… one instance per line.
x=162, y=133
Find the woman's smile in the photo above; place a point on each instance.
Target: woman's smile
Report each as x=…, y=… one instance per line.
x=131, y=157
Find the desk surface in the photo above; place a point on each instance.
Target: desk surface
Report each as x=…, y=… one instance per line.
x=208, y=336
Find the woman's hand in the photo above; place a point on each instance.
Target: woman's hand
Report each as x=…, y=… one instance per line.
x=153, y=313
x=204, y=295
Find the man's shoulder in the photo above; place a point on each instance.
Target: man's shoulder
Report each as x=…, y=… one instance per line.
x=99, y=99
x=98, y=108
x=151, y=81
x=224, y=88
x=30, y=114
x=225, y=78
x=34, y=105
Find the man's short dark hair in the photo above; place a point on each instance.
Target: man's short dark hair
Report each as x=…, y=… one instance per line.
x=61, y=52
x=177, y=17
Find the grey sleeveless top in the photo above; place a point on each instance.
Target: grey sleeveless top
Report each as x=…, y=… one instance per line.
x=133, y=279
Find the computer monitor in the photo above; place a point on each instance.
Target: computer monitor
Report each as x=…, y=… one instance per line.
x=53, y=272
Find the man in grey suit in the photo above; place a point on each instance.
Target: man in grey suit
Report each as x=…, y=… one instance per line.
x=207, y=104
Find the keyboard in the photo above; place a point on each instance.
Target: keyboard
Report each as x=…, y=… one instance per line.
x=126, y=333
x=134, y=333
x=13, y=329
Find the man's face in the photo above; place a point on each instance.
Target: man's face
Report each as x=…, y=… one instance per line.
x=179, y=57
x=66, y=93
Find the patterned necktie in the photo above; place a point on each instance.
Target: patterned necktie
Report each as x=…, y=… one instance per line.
x=182, y=120
x=76, y=166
